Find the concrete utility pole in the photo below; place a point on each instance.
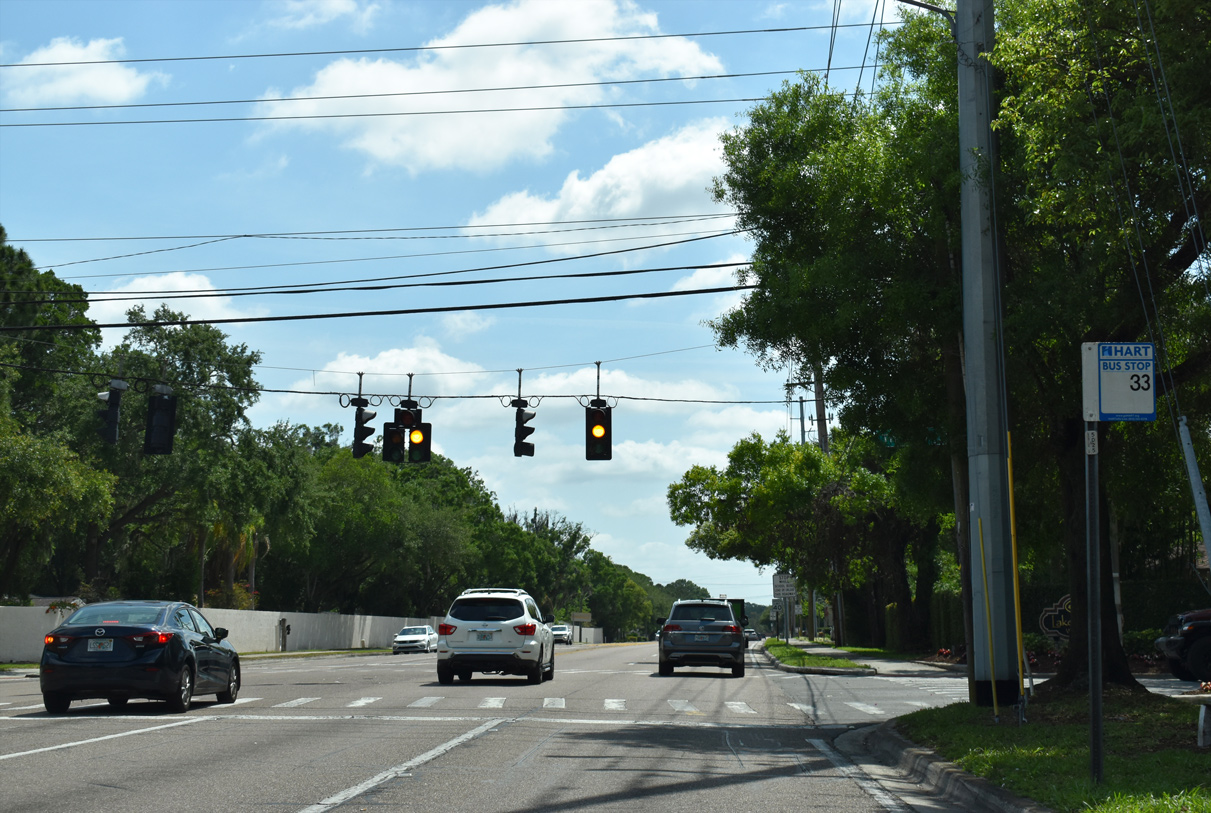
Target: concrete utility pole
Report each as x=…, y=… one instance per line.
x=995, y=640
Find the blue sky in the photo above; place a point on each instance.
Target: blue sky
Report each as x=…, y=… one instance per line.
x=525, y=155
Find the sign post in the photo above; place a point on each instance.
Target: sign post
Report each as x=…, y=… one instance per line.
x=1118, y=384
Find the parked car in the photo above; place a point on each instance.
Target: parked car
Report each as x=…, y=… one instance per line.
x=162, y=650
x=1186, y=645
x=702, y=632
x=562, y=633
x=495, y=630
x=752, y=634
x=414, y=639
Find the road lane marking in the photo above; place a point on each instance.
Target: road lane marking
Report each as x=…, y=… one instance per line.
x=739, y=707
x=684, y=705
x=424, y=702
x=100, y=739
x=553, y=703
x=244, y=700
x=398, y=770
x=298, y=701
x=492, y=703
x=616, y=705
x=76, y=705
x=362, y=701
x=866, y=708
x=810, y=711
x=860, y=778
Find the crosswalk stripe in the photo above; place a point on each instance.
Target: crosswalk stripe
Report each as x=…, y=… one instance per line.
x=616, y=705
x=492, y=703
x=683, y=705
x=300, y=701
x=866, y=708
x=810, y=711
x=424, y=702
x=553, y=703
x=739, y=707
x=363, y=701
x=245, y=700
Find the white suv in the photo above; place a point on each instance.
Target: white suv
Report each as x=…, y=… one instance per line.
x=495, y=630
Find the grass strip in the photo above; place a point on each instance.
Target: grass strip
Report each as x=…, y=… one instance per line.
x=1152, y=763
x=798, y=656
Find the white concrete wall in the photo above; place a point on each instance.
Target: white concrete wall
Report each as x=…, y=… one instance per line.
x=22, y=630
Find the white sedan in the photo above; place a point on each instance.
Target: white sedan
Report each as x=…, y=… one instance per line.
x=415, y=639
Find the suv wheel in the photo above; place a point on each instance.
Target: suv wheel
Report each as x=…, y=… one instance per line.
x=666, y=669
x=549, y=674
x=535, y=673
x=445, y=675
x=1179, y=670
x=738, y=669
x=1198, y=658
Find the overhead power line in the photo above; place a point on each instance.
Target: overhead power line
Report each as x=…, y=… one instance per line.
x=396, y=312
x=316, y=116
x=403, y=93
x=420, y=48
x=385, y=233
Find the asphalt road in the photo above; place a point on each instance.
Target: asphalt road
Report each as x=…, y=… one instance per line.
x=379, y=733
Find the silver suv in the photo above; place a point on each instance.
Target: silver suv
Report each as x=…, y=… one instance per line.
x=495, y=630
x=702, y=632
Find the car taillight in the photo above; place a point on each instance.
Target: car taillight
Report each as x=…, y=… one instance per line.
x=732, y=628
x=57, y=640
x=145, y=638
x=672, y=628
x=446, y=629
x=525, y=629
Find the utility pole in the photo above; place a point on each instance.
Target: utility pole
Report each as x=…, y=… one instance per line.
x=994, y=630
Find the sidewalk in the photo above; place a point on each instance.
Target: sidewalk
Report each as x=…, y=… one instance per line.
x=882, y=744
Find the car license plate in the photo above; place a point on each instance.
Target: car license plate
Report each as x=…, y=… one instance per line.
x=483, y=636
x=101, y=645
x=702, y=637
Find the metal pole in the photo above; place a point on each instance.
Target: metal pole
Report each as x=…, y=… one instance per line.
x=1094, y=577
x=986, y=421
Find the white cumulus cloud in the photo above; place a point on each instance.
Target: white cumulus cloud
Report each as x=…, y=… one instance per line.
x=43, y=84
x=421, y=142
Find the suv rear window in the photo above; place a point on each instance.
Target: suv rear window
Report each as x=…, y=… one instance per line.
x=486, y=609
x=701, y=612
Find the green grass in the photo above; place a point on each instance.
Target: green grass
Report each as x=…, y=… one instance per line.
x=796, y=656
x=1152, y=763
x=17, y=667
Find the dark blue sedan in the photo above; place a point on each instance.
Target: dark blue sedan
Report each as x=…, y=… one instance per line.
x=161, y=650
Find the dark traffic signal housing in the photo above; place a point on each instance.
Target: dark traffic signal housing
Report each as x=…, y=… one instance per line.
x=522, y=448
x=395, y=443
x=112, y=398
x=420, y=439
x=161, y=421
x=361, y=428
x=598, y=437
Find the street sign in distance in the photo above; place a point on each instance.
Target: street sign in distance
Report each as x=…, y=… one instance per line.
x=1118, y=381
x=784, y=586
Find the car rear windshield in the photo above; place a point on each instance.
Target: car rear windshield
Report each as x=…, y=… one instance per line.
x=412, y=631
x=701, y=612
x=486, y=609
x=115, y=615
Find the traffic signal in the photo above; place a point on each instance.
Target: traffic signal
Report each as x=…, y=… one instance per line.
x=408, y=415
x=361, y=428
x=597, y=435
x=420, y=438
x=395, y=443
x=112, y=398
x=521, y=448
x=161, y=422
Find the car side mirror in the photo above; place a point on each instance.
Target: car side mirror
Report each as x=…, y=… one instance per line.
x=661, y=621
x=744, y=620
x=220, y=633
x=549, y=618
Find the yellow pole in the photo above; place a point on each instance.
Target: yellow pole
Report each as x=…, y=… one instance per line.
x=1013, y=544
x=992, y=661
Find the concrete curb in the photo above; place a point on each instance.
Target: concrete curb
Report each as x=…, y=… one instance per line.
x=923, y=765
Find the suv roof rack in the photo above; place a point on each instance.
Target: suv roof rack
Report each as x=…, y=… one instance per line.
x=514, y=590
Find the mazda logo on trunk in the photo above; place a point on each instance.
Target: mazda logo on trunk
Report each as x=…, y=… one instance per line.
x=100, y=631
